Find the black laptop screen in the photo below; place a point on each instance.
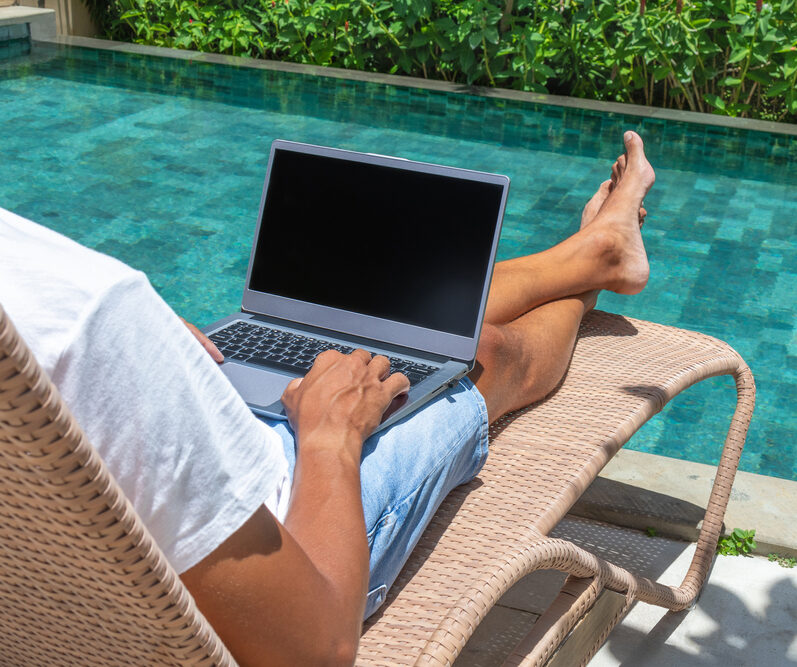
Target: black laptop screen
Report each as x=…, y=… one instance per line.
x=398, y=244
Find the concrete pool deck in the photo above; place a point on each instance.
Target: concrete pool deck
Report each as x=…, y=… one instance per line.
x=640, y=490
x=747, y=612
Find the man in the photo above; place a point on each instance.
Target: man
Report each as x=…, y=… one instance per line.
x=280, y=563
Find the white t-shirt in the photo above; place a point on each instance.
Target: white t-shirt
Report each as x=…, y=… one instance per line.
x=177, y=437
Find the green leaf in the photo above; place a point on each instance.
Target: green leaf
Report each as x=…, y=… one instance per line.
x=739, y=53
x=790, y=64
x=715, y=101
x=739, y=19
x=778, y=88
x=543, y=70
x=660, y=72
x=474, y=39
x=467, y=60
x=759, y=76
x=729, y=81
x=418, y=39
x=536, y=88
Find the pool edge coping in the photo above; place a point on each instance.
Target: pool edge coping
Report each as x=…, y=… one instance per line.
x=644, y=491
x=695, y=117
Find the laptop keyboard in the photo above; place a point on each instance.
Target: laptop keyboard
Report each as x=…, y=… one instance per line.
x=295, y=353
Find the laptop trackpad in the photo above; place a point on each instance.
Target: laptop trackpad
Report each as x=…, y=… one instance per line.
x=258, y=387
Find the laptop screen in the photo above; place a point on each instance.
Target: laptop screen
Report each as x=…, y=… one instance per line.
x=400, y=244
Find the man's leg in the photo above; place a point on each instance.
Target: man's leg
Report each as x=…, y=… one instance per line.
x=537, y=302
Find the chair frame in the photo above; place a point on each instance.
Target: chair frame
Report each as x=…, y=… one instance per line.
x=82, y=581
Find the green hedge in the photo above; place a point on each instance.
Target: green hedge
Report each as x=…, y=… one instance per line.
x=733, y=57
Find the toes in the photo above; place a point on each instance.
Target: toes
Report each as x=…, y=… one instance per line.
x=594, y=205
x=633, y=143
x=634, y=148
x=600, y=195
x=618, y=168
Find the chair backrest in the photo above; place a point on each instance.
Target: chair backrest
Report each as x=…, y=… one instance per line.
x=82, y=582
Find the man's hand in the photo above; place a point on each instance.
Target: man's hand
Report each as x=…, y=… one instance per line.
x=343, y=396
x=208, y=344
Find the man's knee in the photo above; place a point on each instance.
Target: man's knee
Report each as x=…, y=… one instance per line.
x=493, y=350
x=507, y=369
x=500, y=361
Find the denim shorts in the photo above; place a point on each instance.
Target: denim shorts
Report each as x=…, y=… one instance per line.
x=406, y=472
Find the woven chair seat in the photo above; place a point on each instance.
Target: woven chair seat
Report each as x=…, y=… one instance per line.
x=82, y=581
x=490, y=533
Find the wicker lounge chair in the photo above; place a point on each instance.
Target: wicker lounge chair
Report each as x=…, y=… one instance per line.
x=82, y=582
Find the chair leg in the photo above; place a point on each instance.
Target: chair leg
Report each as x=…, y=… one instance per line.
x=685, y=595
x=576, y=597
x=592, y=630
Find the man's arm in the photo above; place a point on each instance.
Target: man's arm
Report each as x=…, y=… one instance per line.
x=295, y=594
x=209, y=345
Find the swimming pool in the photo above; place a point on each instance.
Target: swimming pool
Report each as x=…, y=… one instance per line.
x=160, y=162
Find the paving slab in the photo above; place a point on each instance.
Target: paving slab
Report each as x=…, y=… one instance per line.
x=746, y=616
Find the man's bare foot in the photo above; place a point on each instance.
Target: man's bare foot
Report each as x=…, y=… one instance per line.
x=617, y=169
x=614, y=231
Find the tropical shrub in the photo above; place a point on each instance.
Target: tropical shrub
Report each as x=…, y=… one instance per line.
x=733, y=57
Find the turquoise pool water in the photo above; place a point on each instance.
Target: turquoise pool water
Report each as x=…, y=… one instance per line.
x=160, y=162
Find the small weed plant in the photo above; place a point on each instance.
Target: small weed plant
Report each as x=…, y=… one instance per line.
x=730, y=57
x=783, y=561
x=738, y=543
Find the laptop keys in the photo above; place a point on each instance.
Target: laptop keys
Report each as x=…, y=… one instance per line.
x=293, y=353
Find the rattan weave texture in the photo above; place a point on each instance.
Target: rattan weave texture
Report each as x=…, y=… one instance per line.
x=82, y=582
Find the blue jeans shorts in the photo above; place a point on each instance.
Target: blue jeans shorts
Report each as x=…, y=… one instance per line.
x=406, y=472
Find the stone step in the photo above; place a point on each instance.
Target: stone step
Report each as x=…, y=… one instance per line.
x=23, y=22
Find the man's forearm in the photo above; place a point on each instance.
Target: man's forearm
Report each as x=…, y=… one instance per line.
x=270, y=587
x=325, y=517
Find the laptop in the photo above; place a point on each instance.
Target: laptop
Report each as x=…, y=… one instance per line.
x=363, y=250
